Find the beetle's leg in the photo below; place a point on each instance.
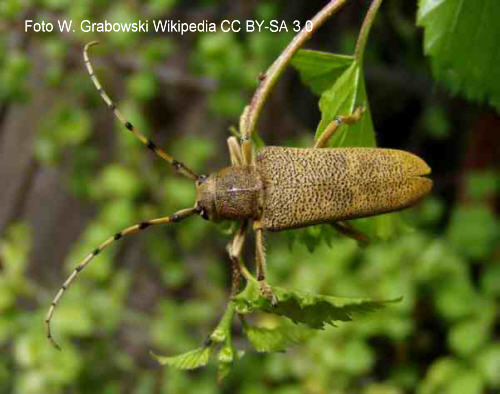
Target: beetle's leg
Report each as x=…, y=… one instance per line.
x=260, y=256
x=246, y=143
x=234, y=151
x=176, y=217
x=348, y=230
x=333, y=126
x=178, y=166
x=246, y=149
x=234, y=249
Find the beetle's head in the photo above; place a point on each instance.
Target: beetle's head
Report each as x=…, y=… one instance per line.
x=205, y=197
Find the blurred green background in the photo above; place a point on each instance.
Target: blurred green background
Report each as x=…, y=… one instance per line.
x=71, y=177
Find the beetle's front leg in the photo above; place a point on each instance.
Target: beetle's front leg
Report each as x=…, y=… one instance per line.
x=234, y=151
x=333, y=126
x=246, y=149
x=260, y=256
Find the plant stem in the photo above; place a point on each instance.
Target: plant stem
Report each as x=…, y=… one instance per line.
x=365, y=30
x=269, y=79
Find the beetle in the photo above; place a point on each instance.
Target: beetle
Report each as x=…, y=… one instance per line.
x=281, y=188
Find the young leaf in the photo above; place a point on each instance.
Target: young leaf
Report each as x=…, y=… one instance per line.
x=310, y=309
x=342, y=98
x=276, y=339
x=191, y=360
x=319, y=70
x=461, y=39
x=225, y=360
x=223, y=369
x=340, y=81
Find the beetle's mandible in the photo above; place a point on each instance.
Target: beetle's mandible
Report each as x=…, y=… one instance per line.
x=282, y=188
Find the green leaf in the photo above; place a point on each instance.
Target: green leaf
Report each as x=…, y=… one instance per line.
x=342, y=98
x=13, y=77
x=467, y=382
x=473, y=230
x=490, y=284
x=482, y=184
x=488, y=363
x=117, y=181
x=223, y=369
x=436, y=122
x=447, y=375
x=319, y=70
x=466, y=337
x=143, y=86
x=276, y=339
x=310, y=309
x=225, y=360
x=161, y=7
x=340, y=81
x=65, y=126
x=439, y=374
x=191, y=360
x=312, y=236
x=461, y=39
x=14, y=250
x=384, y=226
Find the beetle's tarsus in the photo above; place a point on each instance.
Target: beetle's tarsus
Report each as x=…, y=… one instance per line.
x=267, y=292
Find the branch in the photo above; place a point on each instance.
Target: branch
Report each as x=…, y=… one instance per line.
x=269, y=79
x=365, y=29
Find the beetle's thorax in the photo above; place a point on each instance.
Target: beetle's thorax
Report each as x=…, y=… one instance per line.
x=233, y=193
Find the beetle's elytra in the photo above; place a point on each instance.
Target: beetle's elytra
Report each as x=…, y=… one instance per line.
x=292, y=187
x=282, y=188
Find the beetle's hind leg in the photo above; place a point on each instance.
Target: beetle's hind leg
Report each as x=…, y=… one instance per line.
x=348, y=230
x=334, y=125
x=260, y=257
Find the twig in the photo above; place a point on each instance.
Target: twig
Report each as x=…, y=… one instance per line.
x=269, y=79
x=365, y=29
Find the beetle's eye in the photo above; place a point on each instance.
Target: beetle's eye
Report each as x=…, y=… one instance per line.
x=204, y=214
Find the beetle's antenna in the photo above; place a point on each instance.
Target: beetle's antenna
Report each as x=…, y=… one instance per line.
x=178, y=166
x=176, y=217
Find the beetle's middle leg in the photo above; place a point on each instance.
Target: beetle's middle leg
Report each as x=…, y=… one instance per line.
x=234, y=249
x=260, y=256
x=333, y=126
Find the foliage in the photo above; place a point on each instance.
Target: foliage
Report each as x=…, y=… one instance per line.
x=313, y=310
x=191, y=360
x=460, y=37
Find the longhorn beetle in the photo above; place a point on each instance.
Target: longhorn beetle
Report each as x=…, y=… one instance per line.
x=283, y=188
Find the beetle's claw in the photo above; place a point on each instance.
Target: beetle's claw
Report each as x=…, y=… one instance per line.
x=267, y=292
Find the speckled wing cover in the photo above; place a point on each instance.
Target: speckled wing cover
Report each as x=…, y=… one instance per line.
x=304, y=186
